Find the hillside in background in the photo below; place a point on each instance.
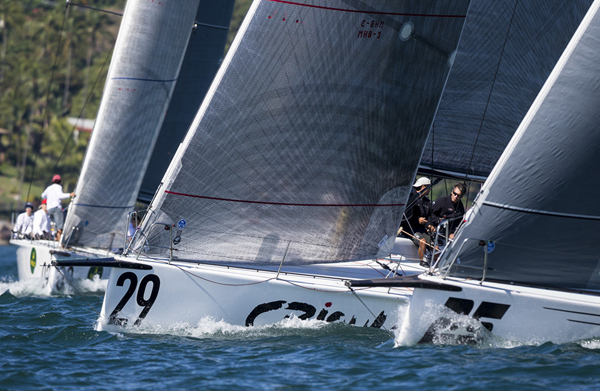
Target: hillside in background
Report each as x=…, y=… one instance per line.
x=53, y=64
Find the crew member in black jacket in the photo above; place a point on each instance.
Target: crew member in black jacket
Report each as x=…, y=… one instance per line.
x=449, y=207
x=414, y=225
x=416, y=220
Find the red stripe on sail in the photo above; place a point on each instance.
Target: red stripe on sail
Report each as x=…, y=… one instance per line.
x=277, y=203
x=365, y=12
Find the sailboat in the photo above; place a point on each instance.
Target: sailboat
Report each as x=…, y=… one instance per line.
x=525, y=264
x=154, y=42
x=289, y=181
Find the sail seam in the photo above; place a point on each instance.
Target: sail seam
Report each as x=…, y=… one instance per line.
x=540, y=212
x=275, y=203
x=140, y=79
x=366, y=12
x=213, y=26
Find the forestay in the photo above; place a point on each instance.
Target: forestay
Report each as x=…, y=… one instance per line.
x=540, y=205
x=143, y=71
x=506, y=53
x=202, y=59
x=306, y=145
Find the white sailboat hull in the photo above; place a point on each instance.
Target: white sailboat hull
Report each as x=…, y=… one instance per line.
x=34, y=262
x=184, y=294
x=516, y=313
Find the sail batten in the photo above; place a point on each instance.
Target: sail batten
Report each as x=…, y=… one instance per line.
x=307, y=142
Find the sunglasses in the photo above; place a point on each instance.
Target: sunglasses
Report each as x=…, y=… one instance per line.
x=458, y=195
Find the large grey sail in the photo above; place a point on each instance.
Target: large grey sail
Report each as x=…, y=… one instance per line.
x=539, y=206
x=308, y=140
x=146, y=60
x=202, y=59
x=507, y=51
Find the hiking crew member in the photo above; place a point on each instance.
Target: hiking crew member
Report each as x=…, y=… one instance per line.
x=41, y=222
x=24, y=224
x=54, y=194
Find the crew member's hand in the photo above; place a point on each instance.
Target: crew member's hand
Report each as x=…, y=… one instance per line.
x=422, y=220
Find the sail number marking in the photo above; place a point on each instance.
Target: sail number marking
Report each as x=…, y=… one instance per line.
x=368, y=29
x=147, y=304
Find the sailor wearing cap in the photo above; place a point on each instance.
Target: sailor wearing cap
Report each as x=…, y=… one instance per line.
x=24, y=225
x=54, y=194
x=414, y=224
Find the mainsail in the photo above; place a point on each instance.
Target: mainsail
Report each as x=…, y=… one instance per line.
x=146, y=60
x=202, y=59
x=306, y=145
x=539, y=207
x=506, y=53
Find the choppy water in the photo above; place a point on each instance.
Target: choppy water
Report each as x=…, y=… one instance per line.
x=51, y=343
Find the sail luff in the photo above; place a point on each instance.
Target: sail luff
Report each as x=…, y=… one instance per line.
x=543, y=229
x=147, y=57
x=294, y=152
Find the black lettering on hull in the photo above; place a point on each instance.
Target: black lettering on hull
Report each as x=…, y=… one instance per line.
x=262, y=308
x=442, y=330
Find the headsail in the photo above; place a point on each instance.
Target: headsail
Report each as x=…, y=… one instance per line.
x=146, y=60
x=506, y=53
x=307, y=142
x=202, y=59
x=539, y=206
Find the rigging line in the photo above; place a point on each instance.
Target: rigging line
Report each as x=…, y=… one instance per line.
x=79, y=293
x=491, y=89
x=220, y=283
x=432, y=149
x=62, y=29
x=83, y=109
x=368, y=309
x=257, y=282
x=314, y=289
x=93, y=8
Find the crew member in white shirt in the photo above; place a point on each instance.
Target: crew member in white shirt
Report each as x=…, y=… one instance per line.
x=41, y=222
x=54, y=194
x=24, y=225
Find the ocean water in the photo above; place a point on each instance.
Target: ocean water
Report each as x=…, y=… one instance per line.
x=52, y=343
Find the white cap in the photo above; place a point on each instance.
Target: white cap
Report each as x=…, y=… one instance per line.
x=422, y=181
